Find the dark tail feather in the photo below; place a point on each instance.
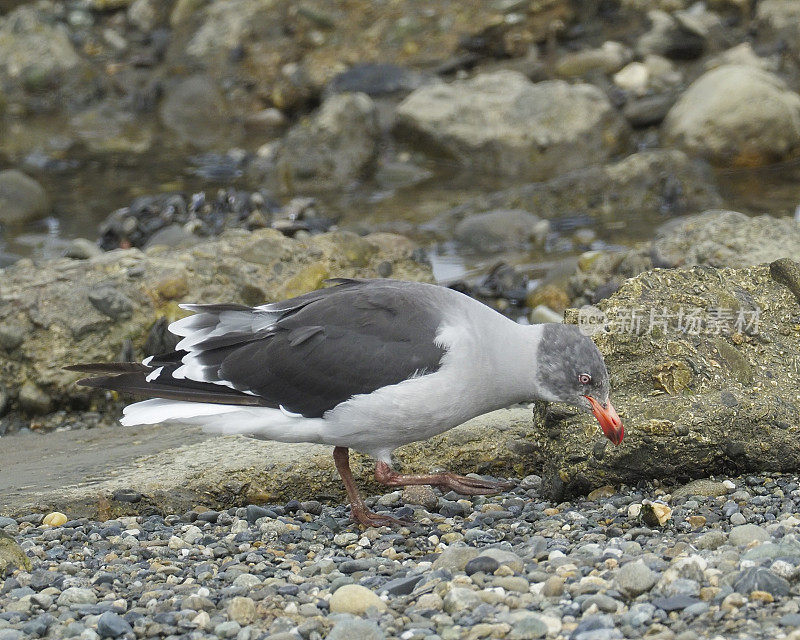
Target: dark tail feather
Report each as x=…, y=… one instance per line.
x=108, y=367
x=186, y=390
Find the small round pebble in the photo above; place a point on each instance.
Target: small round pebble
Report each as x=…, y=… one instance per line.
x=355, y=599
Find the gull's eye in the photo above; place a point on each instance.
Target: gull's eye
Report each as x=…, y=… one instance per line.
x=584, y=378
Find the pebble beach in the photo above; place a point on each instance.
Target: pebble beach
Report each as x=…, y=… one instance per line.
x=713, y=559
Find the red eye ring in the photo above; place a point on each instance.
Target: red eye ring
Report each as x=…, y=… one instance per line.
x=584, y=378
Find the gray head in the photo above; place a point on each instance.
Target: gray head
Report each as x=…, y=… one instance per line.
x=571, y=369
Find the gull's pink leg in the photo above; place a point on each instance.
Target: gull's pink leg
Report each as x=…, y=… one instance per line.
x=461, y=484
x=358, y=510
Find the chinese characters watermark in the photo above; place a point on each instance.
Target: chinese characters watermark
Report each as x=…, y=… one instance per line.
x=690, y=321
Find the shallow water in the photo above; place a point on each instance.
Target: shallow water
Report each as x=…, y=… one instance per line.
x=84, y=189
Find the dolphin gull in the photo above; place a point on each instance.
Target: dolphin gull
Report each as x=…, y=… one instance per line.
x=365, y=364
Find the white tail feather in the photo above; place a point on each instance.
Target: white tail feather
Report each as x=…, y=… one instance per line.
x=160, y=410
x=271, y=424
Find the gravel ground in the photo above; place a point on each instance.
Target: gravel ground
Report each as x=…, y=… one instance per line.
x=724, y=564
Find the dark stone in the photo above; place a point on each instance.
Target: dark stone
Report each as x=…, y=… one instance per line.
x=311, y=506
x=761, y=579
x=208, y=516
x=675, y=603
x=351, y=566
x=649, y=110
x=449, y=508
x=254, y=512
x=790, y=620
x=593, y=623
x=375, y=79
x=38, y=626
x=484, y=564
x=401, y=586
x=126, y=495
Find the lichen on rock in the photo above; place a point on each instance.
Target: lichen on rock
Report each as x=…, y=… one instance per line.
x=720, y=396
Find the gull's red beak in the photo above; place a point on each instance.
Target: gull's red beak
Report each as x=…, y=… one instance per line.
x=608, y=419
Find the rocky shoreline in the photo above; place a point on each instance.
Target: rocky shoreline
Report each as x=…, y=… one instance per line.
x=628, y=166
x=715, y=558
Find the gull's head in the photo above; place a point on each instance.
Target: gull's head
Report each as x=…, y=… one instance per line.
x=570, y=369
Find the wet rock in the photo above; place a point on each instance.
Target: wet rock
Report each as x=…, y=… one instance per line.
x=650, y=183
x=21, y=198
x=501, y=230
x=331, y=149
x=725, y=397
x=110, y=128
x=82, y=249
x=376, y=79
x=725, y=239
x=195, y=111
x=500, y=123
x=484, y=564
x=355, y=599
x=35, y=50
x=505, y=558
x=648, y=111
x=12, y=556
x=173, y=235
x=737, y=116
x=761, y=579
x=608, y=58
x=673, y=36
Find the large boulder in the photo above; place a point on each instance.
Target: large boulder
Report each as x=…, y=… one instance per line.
x=503, y=124
x=714, y=238
x=34, y=48
x=725, y=239
x=781, y=18
x=737, y=115
x=39, y=66
x=194, y=110
x=708, y=385
x=643, y=186
x=21, y=198
x=67, y=311
x=287, y=51
x=334, y=147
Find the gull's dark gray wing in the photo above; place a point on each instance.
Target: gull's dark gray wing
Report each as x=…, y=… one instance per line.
x=305, y=355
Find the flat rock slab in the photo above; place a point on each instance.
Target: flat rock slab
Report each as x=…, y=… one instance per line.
x=107, y=472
